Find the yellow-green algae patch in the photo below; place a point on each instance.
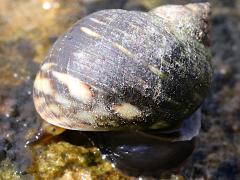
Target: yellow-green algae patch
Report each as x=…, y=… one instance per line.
x=8, y=171
x=61, y=160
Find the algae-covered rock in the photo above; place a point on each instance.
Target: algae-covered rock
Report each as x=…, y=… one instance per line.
x=8, y=171
x=62, y=160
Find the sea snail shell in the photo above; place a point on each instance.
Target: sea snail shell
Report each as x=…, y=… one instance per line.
x=118, y=69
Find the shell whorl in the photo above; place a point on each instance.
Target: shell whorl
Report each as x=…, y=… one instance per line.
x=190, y=20
x=117, y=69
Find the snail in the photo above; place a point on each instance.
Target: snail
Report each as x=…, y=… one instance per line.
x=137, y=76
x=118, y=69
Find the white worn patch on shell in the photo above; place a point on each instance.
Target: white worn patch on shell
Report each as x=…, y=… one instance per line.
x=47, y=66
x=77, y=88
x=97, y=21
x=43, y=85
x=101, y=110
x=39, y=102
x=86, y=116
x=80, y=54
x=51, y=113
x=54, y=108
x=156, y=71
x=47, y=114
x=62, y=100
x=122, y=49
x=90, y=32
x=127, y=111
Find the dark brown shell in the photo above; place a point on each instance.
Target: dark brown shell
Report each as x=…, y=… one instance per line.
x=117, y=69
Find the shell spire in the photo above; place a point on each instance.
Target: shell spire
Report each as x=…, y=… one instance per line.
x=190, y=19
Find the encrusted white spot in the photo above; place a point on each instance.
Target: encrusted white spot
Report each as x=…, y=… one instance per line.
x=43, y=85
x=90, y=32
x=77, y=88
x=127, y=111
x=86, y=116
x=100, y=110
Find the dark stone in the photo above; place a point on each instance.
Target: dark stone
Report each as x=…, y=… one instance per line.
x=5, y=144
x=2, y=155
x=228, y=169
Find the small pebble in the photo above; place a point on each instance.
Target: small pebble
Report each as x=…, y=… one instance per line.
x=15, y=75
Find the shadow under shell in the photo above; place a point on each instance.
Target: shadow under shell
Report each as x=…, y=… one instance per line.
x=150, y=153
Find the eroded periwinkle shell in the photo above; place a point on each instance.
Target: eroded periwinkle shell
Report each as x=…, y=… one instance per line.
x=117, y=69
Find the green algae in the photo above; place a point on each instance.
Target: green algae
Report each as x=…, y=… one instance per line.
x=61, y=160
x=8, y=171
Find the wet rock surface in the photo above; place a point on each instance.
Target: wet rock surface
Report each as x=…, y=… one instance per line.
x=24, y=42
